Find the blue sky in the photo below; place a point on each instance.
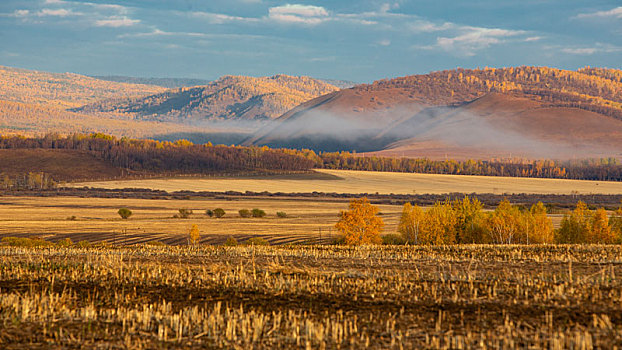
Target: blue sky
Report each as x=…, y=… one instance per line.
x=358, y=40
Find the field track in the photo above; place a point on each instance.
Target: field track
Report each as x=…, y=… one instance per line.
x=348, y=181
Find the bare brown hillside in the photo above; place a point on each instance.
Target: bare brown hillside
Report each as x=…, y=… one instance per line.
x=519, y=112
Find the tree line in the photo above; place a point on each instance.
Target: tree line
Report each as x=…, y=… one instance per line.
x=183, y=156
x=465, y=222
x=159, y=156
x=606, y=169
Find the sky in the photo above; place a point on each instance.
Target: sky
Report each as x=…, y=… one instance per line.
x=355, y=40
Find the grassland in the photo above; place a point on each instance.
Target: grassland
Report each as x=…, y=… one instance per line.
x=325, y=297
x=347, y=181
x=152, y=220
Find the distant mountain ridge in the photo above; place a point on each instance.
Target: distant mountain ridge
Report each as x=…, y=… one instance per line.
x=228, y=98
x=464, y=113
x=169, y=83
x=63, y=90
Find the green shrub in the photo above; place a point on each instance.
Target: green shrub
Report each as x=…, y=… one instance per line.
x=65, y=242
x=184, y=213
x=71, y=218
x=393, y=239
x=84, y=244
x=209, y=212
x=258, y=213
x=257, y=241
x=281, y=214
x=124, y=213
x=219, y=212
x=244, y=213
x=231, y=242
x=26, y=242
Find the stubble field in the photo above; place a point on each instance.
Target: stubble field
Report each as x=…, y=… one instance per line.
x=96, y=219
x=325, y=297
x=349, y=181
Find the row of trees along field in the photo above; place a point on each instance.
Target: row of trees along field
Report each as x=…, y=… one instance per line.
x=185, y=157
x=179, y=156
x=464, y=221
x=604, y=169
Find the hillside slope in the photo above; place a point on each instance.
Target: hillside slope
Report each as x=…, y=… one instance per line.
x=527, y=111
x=230, y=97
x=66, y=90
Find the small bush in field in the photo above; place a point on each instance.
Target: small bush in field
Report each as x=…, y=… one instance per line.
x=209, y=212
x=281, y=214
x=71, y=218
x=257, y=241
x=65, y=242
x=244, y=213
x=26, y=242
x=258, y=213
x=84, y=244
x=393, y=239
x=184, y=213
x=231, y=242
x=124, y=213
x=219, y=212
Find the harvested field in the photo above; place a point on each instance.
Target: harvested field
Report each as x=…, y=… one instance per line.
x=325, y=297
x=152, y=220
x=371, y=182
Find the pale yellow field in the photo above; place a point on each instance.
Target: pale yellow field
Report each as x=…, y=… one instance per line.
x=97, y=219
x=372, y=182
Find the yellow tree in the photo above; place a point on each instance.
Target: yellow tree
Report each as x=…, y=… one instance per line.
x=194, y=234
x=600, y=231
x=411, y=223
x=469, y=217
x=360, y=223
x=440, y=225
x=575, y=228
x=505, y=223
x=539, y=226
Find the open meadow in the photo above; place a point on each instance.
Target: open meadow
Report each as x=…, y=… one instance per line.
x=349, y=181
x=96, y=219
x=324, y=297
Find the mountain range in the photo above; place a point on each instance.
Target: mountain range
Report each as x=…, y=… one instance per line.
x=525, y=112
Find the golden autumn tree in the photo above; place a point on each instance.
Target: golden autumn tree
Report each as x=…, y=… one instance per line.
x=194, y=234
x=575, y=228
x=411, y=223
x=360, y=223
x=469, y=220
x=539, y=226
x=505, y=224
x=600, y=231
x=439, y=225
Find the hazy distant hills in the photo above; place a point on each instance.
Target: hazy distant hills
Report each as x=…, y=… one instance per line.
x=169, y=83
x=519, y=112
x=228, y=98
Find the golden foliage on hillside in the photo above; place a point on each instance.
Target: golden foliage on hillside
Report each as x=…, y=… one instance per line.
x=595, y=89
x=30, y=119
x=229, y=97
x=66, y=90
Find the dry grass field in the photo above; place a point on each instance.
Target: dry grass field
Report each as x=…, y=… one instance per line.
x=152, y=220
x=348, y=181
x=312, y=297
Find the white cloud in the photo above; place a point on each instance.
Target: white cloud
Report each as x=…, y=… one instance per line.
x=384, y=42
x=613, y=13
x=20, y=13
x=598, y=48
x=116, y=22
x=302, y=14
x=57, y=13
x=473, y=39
x=219, y=18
